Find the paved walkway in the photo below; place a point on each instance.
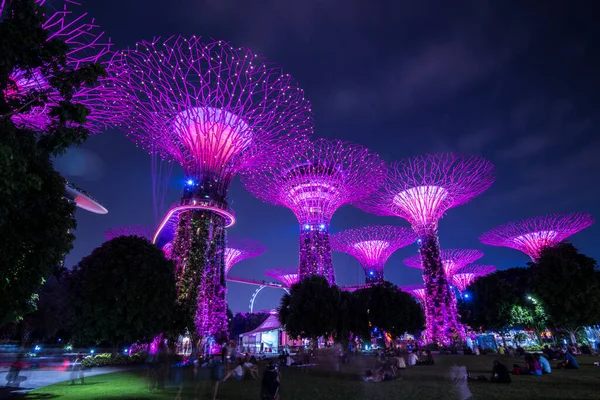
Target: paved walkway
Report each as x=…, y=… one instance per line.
x=40, y=378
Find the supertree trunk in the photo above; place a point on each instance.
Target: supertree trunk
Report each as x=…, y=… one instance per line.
x=200, y=272
x=438, y=310
x=315, y=254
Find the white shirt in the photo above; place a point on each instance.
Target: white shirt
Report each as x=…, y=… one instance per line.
x=239, y=371
x=412, y=359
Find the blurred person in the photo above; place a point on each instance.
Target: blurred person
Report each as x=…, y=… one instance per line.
x=500, y=373
x=569, y=361
x=13, y=379
x=216, y=376
x=412, y=358
x=544, y=363
x=237, y=373
x=269, y=387
x=77, y=369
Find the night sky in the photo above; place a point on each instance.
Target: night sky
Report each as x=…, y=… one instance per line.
x=516, y=84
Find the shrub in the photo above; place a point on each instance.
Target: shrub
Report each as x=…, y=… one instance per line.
x=105, y=359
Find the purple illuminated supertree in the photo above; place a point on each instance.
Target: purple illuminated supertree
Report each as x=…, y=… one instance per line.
x=87, y=45
x=372, y=246
x=287, y=276
x=420, y=190
x=240, y=249
x=314, y=183
x=418, y=291
x=532, y=235
x=214, y=110
x=453, y=260
x=467, y=275
x=142, y=231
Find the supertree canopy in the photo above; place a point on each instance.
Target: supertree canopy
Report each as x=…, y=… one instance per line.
x=420, y=190
x=467, y=275
x=532, y=235
x=453, y=260
x=142, y=231
x=213, y=109
x=314, y=183
x=418, y=291
x=87, y=45
x=287, y=276
x=240, y=249
x=372, y=246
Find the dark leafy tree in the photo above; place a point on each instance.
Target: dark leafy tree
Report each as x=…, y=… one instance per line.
x=309, y=311
x=388, y=309
x=245, y=322
x=566, y=284
x=347, y=321
x=123, y=292
x=35, y=220
x=492, y=299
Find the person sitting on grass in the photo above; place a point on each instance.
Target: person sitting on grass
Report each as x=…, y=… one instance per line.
x=569, y=361
x=412, y=358
x=532, y=367
x=500, y=373
x=237, y=373
x=428, y=359
x=544, y=363
x=371, y=377
x=252, y=367
x=269, y=388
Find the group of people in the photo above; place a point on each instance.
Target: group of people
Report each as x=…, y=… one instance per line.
x=535, y=364
x=389, y=364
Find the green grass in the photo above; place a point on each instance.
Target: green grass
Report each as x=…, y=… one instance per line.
x=423, y=382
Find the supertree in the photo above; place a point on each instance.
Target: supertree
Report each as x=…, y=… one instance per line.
x=142, y=231
x=420, y=190
x=314, y=183
x=87, y=44
x=372, y=246
x=214, y=110
x=418, y=291
x=452, y=259
x=239, y=249
x=467, y=275
x=532, y=235
x=288, y=276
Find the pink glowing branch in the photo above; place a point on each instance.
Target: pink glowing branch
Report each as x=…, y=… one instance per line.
x=467, y=275
x=287, y=276
x=421, y=189
x=87, y=45
x=532, y=235
x=372, y=245
x=212, y=108
x=142, y=231
x=317, y=179
x=452, y=259
x=241, y=249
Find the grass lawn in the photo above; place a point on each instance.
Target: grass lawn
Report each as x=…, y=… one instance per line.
x=422, y=382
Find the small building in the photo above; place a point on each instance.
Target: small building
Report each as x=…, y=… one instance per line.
x=268, y=338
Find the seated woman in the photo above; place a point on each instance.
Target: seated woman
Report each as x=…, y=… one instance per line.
x=569, y=361
x=544, y=363
x=237, y=373
x=269, y=388
x=532, y=367
x=500, y=373
x=412, y=358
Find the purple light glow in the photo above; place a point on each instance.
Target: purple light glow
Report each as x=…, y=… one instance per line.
x=532, y=235
x=241, y=249
x=453, y=260
x=87, y=44
x=416, y=290
x=420, y=190
x=132, y=230
x=372, y=246
x=288, y=276
x=467, y=275
x=313, y=181
x=214, y=110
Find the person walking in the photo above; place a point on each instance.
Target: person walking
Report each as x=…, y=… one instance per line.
x=77, y=369
x=269, y=388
